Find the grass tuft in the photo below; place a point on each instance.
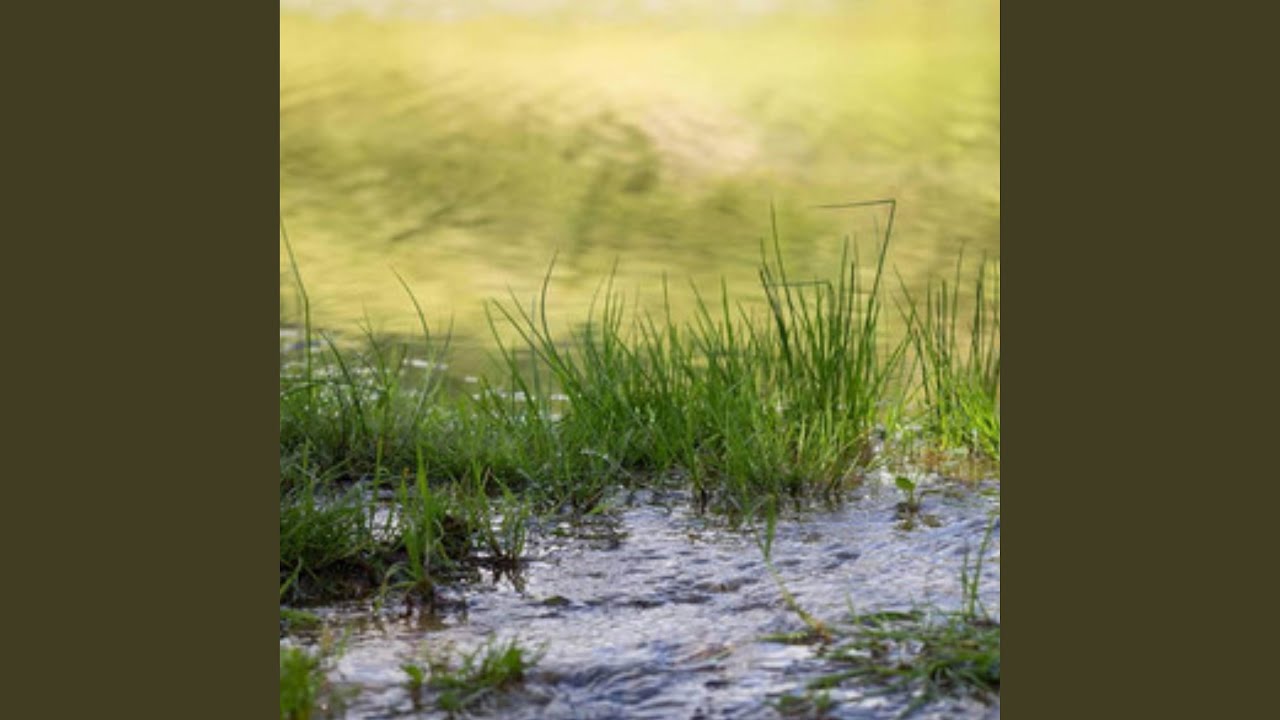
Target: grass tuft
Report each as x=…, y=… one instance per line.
x=305, y=692
x=959, y=372
x=461, y=685
x=392, y=479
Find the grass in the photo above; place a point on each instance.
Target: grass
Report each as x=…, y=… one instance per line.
x=461, y=685
x=305, y=693
x=350, y=428
x=340, y=543
x=393, y=481
x=744, y=406
x=959, y=366
x=293, y=619
x=351, y=412
x=301, y=679
x=926, y=654
x=323, y=531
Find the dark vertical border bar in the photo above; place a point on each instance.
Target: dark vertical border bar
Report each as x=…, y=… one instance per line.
x=1138, y=184
x=141, y=276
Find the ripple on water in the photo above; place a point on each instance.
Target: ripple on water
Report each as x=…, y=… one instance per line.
x=657, y=613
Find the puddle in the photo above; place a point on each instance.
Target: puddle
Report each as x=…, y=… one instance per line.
x=657, y=613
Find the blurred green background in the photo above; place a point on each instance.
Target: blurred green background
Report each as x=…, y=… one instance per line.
x=463, y=143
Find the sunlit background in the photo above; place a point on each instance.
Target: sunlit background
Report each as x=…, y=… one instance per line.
x=462, y=144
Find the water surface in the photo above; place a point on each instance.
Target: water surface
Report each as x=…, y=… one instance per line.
x=654, y=612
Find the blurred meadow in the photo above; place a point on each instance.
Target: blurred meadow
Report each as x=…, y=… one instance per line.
x=462, y=145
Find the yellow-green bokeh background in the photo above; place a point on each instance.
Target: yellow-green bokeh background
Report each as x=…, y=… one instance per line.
x=463, y=148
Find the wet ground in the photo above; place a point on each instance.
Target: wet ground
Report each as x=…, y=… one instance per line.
x=654, y=612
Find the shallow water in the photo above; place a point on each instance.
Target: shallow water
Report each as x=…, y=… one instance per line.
x=654, y=612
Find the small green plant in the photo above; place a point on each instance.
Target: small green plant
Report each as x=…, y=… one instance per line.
x=325, y=541
x=417, y=675
x=929, y=654
x=435, y=533
x=909, y=510
x=423, y=514
x=907, y=486
x=300, y=681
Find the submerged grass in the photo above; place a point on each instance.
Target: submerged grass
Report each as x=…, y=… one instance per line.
x=917, y=653
x=925, y=653
x=461, y=685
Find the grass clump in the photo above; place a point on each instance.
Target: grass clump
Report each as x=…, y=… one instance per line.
x=351, y=412
x=305, y=692
x=931, y=654
x=959, y=373
x=742, y=405
x=293, y=619
x=915, y=652
x=394, y=482
x=461, y=685
x=325, y=534
x=358, y=439
x=346, y=542
x=445, y=528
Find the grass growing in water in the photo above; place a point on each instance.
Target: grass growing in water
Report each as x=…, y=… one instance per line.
x=324, y=532
x=350, y=412
x=959, y=374
x=337, y=542
x=401, y=483
x=914, y=652
x=491, y=668
x=929, y=654
x=304, y=691
x=300, y=681
x=745, y=407
x=352, y=429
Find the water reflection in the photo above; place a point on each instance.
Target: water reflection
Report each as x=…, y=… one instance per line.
x=465, y=144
